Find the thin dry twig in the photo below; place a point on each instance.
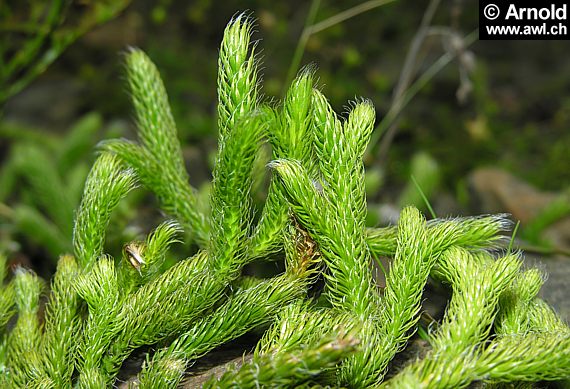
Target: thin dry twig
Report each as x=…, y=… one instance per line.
x=310, y=29
x=408, y=71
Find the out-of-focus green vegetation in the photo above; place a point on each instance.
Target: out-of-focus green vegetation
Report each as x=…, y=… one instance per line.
x=41, y=182
x=35, y=33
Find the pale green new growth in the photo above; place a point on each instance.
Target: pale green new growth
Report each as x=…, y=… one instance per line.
x=290, y=137
x=24, y=339
x=106, y=184
x=477, y=283
x=533, y=356
x=255, y=303
x=237, y=76
x=159, y=150
x=469, y=232
x=61, y=326
x=338, y=200
x=7, y=308
x=287, y=370
x=100, y=290
x=153, y=251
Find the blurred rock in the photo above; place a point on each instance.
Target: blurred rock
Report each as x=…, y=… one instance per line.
x=495, y=190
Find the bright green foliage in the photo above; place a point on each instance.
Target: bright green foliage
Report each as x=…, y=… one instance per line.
x=230, y=200
x=100, y=309
x=61, y=326
x=141, y=323
x=290, y=137
x=543, y=318
x=100, y=290
x=159, y=150
x=241, y=128
x=248, y=307
x=460, y=352
x=532, y=342
x=237, y=76
x=533, y=356
x=517, y=301
x=24, y=340
x=288, y=369
x=415, y=254
x=106, y=184
x=470, y=232
x=301, y=325
x=477, y=283
x=7, y=308
x=155, y=248
x=408, y=274
x=334, y=211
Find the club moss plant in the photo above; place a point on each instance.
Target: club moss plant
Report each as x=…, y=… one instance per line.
x=100, y=309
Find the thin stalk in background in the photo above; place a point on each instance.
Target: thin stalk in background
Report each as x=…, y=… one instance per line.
x=47, y=40
x=387, y=124
x=405, y=90
x=310, y=29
